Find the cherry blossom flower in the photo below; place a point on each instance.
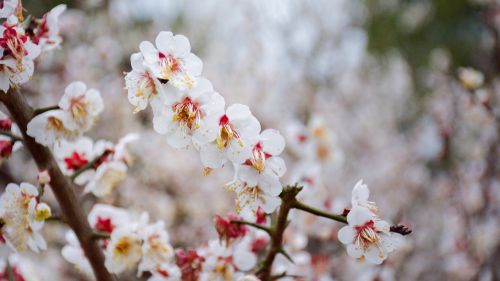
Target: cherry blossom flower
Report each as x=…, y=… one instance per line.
x=8, y=8
x=52, y=126
x=166, y=272
x=106, y=177
x=171, y=60
x=16, y=64
x=74, y=254
x=218, y=263
x=193, y=114
x=366, y=235
x=82, y=104
x=23, y=217
x=105, y=218
x=228, y=231
x=237, y=129
x=156, y=249
x=265, y=194
x=46, y=31
x=264, y=161
x=190, y=264
x=124, y=250
x=143, y=87
x=72, y=156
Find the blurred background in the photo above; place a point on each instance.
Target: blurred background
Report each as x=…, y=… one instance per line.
x=375, y=82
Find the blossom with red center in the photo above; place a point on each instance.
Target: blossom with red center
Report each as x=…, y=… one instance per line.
x=191, y=116
x=228, y=231
x=366, y=235
x=13, y=41
x=143, y=87
x=259, y=175
x=72, y=156
x=226, y=263
x=237, y=129
x=75, y=161
x=16, y=65
x=264, y=160
x=171, y=60
x=190, y=264
x=166, y=272
x=82, y=104
x=104, y=225
x=105, y=218
x=46, y=30
x=156, y=248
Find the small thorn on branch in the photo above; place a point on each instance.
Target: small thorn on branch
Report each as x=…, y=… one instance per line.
x=401, y=229
x=286, y=255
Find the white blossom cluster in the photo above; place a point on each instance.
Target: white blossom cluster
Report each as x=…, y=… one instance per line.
x=19, y=48
x=22, y=217
x=133, y=243
x=191, y=113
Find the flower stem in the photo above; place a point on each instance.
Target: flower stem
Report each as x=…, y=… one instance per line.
x=85, y=168
x=309, y=209
x=45, y=109
x=261, y=227
x=11, y=135
x=279, y=226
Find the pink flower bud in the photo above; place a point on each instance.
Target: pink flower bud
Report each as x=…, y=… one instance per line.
x=5, y=124
x=229, y=231
x=5, y=148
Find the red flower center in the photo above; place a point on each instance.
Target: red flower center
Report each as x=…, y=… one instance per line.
x=75, y=161
x=104, y=225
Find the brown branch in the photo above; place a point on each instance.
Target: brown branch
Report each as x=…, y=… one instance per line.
x=288, y=200
x=22, y=113
x=320, y=213
x=256, y=225
x=45, y=109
